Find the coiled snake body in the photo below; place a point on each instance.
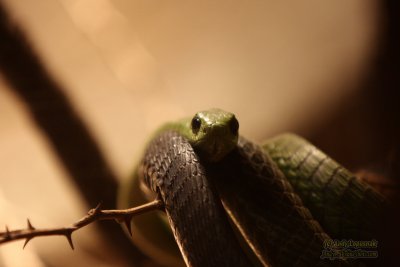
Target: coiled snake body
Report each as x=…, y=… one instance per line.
x=230, y=202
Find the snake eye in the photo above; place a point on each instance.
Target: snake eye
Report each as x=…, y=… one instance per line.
x=234, y=125
x=196, y=123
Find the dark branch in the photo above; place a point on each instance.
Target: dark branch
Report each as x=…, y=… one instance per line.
x=97, y=214
x=66, y=132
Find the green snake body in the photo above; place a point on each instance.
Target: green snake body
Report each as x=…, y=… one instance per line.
x=346, y=207
x=261, y=190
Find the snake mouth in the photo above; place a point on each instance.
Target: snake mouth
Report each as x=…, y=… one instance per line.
x=215, y=149
x=213, y=152
x=218, y=150
x=215, y=143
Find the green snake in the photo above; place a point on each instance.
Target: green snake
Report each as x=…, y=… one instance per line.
x=230, y=202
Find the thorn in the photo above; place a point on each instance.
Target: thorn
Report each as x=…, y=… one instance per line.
x=127, y=221
x=69, y=238
x=26, y=241
x=30, y=226
x=98, y=207
x=8, y=234
x=96, y=210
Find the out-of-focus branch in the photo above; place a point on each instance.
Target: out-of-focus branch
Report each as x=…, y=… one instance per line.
x=64, y=129
x=122, y=216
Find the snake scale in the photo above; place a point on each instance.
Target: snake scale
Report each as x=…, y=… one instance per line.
x=231, y=202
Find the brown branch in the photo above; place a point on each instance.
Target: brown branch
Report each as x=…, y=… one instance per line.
x=122, y=216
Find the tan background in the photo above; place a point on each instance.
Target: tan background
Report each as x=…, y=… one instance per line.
x=128, y=66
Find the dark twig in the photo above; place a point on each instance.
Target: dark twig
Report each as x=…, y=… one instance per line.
x=122, y=216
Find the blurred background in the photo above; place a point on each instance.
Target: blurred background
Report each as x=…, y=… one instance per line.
x=83, y=83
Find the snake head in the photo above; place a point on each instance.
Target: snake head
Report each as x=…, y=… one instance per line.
x=214, y=133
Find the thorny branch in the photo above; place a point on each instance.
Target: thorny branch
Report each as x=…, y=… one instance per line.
x=121, y=216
